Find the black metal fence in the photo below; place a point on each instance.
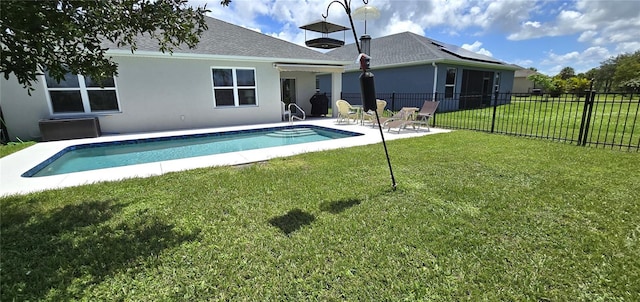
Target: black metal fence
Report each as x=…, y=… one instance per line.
x=605, y=120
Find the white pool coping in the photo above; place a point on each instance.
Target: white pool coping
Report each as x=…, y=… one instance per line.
x=14, y=165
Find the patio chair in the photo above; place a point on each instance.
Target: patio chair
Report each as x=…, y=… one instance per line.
x=346, y=112
x=408, y=116
x=400, y=115
x=426, y=112
x=370, y=115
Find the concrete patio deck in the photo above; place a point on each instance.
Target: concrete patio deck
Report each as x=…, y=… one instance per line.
x=13, y=165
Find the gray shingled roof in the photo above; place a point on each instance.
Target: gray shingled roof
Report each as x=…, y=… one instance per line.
x=226, y=39
x=404, y=49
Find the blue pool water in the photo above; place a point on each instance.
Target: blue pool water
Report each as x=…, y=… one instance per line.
x=130, y=152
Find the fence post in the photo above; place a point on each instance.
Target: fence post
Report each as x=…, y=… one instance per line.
x=435, y=98
x=393, y=101
x=586, y=117
x=592, y=98
x=495, y=109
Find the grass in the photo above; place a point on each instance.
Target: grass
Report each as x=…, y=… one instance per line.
x=13, y=147
x=612, y=122
x=475, y=217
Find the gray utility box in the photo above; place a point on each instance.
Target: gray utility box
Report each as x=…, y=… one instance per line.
x=69, y=128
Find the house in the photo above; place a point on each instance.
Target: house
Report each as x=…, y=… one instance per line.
x=235, y=76
x=410, y=63
x=521, y=82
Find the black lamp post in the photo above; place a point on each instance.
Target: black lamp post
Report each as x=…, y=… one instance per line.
x=367, y=83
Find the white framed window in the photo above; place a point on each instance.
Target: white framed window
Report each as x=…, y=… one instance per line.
x=450, y=83
x=234, y=87
x=81, y=94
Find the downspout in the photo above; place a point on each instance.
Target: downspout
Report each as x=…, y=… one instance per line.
x=435, y=79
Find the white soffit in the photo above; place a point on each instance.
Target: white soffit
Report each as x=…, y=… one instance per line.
x=308, y=68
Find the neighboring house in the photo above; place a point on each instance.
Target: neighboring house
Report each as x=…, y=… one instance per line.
x=410, y=63
x=235, y=76
x=521, y=82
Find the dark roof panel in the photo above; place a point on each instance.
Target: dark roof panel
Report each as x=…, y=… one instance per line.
x=226, y=39
x=410, y=48
x=464, y=53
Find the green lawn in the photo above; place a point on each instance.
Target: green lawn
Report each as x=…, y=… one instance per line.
x=13, y=147
x=476, y=217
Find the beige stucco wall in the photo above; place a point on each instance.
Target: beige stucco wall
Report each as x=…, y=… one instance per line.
x=23, y=111
x=165, y=94
x=156, y=93
x=522, y=85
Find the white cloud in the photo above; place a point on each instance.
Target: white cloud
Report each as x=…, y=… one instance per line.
x=580, y=61
x=567, y=57
x=597, y=22
x=598, y=28
x=587, y=36
x=477, y=48
x=526, y=63
x=567, y=22
x=398, y=26
x=628, y=47
x=595, y=54
x=416, y=16
x=533, y=24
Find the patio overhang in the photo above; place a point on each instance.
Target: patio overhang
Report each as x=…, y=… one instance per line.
x=309, y=67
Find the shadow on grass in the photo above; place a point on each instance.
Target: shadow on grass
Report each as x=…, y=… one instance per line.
x=337, y=207
x=59, y=254
x=296, y=218
x=292, y=221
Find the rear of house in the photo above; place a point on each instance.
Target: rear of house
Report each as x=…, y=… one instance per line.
x=410, y=64
x=234, y=77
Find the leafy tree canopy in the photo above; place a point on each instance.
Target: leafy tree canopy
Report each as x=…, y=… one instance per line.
x=627, y=69
x=66, y=36
x=618, y=72
x=540, y=80
x=567, y=73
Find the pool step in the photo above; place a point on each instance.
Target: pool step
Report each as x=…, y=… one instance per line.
x=294, y=132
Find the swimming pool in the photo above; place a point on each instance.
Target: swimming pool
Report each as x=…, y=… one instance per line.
x=95, y=156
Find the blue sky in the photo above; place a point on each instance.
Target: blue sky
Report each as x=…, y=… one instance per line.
x=545, y=34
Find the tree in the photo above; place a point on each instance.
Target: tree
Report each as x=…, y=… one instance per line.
x=540, y=81
x=66, y=36
x=558, y=86
x=627, y=69
x=632, y=85
x=566, y=73
x=604, y=75
x=578, y=85
x=591, y=74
